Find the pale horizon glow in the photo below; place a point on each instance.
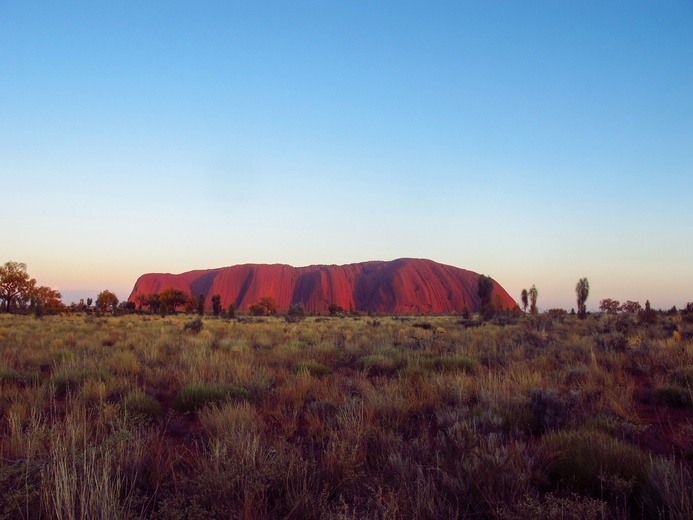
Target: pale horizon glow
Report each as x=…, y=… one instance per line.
x=536, y=142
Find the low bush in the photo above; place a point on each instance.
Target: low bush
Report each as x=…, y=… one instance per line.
x=673, y=396
x=194, y=325
x=63, y=383
x=380, y=364
x=193, y=398
x=551, y=410
x=295, y=313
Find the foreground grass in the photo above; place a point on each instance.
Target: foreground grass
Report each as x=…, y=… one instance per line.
x=139, y=417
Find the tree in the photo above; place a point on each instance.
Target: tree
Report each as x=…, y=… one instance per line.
x=334, y=309
x=256, y=309
x=533, y=295
x=201, y=304
x=153, y=302
x=648, y=315
x=582, y=289
x=173, y=298
x=141, y=299
x=296, y=312
x=191, y=304
x=631, y=306
x=232, y=310
x=106, y=299
x=269, y=304
x=216, y=304
x=609, y=306
x=525, y=300
x=15, y=283
x=484, y=289
x=45, y=298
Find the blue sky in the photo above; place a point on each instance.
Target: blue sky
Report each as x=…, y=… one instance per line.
x=537, y=142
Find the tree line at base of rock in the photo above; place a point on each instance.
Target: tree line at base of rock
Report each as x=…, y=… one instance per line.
x=19, y=293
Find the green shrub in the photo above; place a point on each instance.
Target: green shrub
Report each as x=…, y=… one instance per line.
x=550, y=408
x=295, y=313
x=593, y=462
x=194, y=325
x=455, y=363
x=64, y=383
x=11, y=377
x=142, y=406
x=611, y=342
x=314, y=368
x=380, y=364
x=195, y=397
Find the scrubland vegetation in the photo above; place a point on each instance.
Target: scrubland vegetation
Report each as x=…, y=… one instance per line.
x=541, y=416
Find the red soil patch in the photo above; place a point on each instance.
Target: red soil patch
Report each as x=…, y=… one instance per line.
x=669, y=431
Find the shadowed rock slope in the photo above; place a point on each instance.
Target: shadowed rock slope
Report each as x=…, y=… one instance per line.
x=404, y=286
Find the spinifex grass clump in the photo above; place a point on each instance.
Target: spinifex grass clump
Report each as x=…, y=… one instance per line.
x=382, y=364
x=452, y=363
x=312, y=367
x=63, y=382
x=593, y=462
x=141, y=407
x=11, y=377
x=193, y=398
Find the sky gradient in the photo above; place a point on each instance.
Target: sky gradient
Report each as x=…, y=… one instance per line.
x=537, y=142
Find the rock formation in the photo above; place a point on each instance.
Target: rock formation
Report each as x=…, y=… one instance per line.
x=403, y=286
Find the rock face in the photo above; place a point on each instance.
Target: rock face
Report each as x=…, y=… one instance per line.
x=404, y=286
